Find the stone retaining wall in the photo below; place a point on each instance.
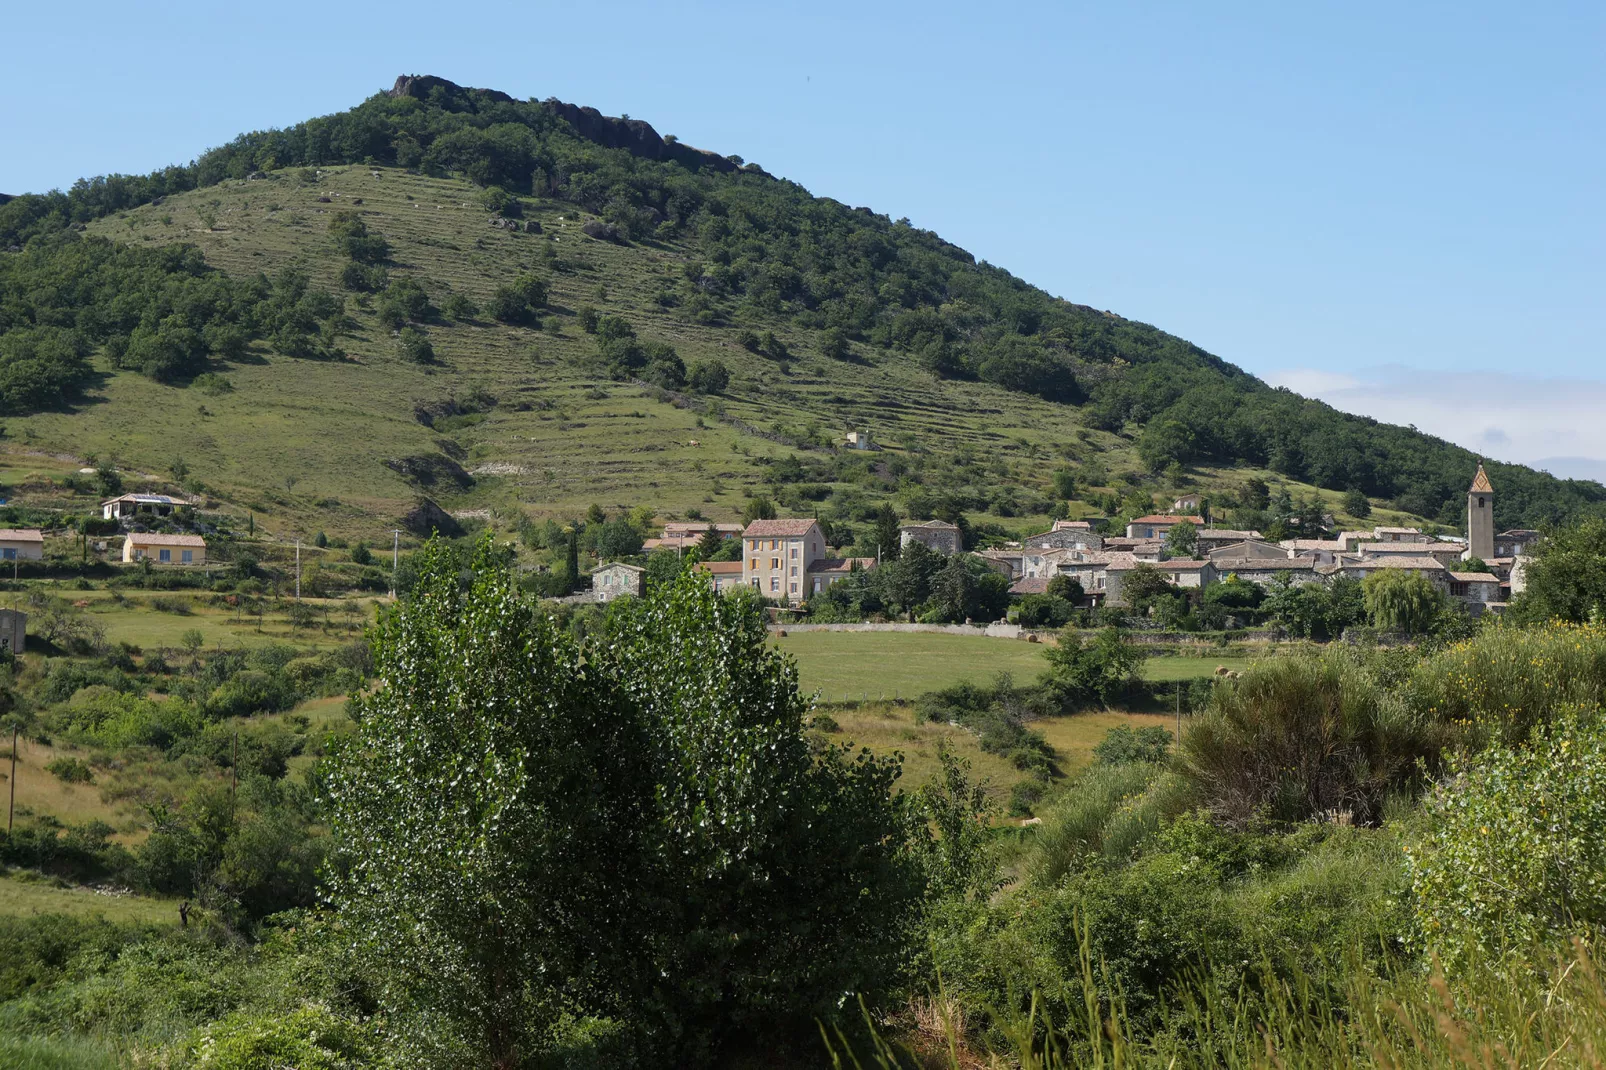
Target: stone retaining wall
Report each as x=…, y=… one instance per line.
x=990, y=631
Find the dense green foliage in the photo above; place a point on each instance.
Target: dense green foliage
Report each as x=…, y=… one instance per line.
x=638, y=833
x=157, y=311
x=1514, y=857
x=1566, y=578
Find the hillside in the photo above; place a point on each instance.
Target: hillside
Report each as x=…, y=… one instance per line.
x=362, y=331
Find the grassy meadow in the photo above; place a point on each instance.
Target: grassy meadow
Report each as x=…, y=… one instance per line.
x=886, y=728
x=23, y=894
x=872, y=666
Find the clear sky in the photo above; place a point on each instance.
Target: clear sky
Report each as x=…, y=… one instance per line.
x=1398, y=207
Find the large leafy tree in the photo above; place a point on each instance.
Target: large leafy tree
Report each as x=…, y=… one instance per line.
x=785, y=875
x=1401, y=601
x=491, y=817
x=529, y=831
x=1566, y=580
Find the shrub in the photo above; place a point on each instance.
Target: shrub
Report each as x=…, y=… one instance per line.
x=414, y=345
x=1045, y=611
x=1504, y=681
x=460, y=308
x=1082, y=672
x=640, y=783
x=1514, y=853
x=310, y=1037
x=1124, y=744
x=70, y=770
x=709, y=377
x=1300, y=737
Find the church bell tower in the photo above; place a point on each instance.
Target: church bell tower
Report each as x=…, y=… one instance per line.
x=1480, y=516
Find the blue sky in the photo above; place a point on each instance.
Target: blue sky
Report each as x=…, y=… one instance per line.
x=1396, y=207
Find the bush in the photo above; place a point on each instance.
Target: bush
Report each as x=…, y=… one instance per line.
x=1045, y=611
x=1514, y=853
x=709, y=377
x=1300, y=737
x=1123, y=744
x=414, y=345
x=310, y=1037
x=1505, y=681
x=652, y=774
x=70, y=770
x=1082, y=672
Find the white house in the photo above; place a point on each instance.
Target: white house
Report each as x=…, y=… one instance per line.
x=21, y=544
x=129, y=506
x=164, y=549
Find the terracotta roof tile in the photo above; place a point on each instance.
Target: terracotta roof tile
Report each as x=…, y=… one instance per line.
x=776, y=529
x=145, y=538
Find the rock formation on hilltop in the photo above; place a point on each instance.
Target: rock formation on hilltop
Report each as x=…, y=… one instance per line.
x=633, y=135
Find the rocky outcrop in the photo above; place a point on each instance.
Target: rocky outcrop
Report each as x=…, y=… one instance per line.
x=454, y=96
x=427, y=469
x=635, y=136
x=426, y=518
x=601, y=231
x=632, y=135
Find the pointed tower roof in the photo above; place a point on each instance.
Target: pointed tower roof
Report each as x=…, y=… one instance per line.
x=1480, y=482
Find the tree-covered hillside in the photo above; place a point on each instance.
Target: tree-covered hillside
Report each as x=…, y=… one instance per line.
x=759, y=265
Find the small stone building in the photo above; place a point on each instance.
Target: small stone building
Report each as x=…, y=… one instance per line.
x=937, y=535
x=612, y=581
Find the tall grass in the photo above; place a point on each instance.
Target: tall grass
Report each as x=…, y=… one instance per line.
x=55, y=1053
x=1402, y=1021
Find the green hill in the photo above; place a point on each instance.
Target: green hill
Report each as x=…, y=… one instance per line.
x=521, y=308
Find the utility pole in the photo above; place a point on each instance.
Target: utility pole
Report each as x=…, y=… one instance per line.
x=1179, y=713
x=12, y=809
x=395, y=558
x=298, y=570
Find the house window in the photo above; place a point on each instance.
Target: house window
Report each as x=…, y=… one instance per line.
x=775, y=562
x=775, y=544
x=1458, y=589
x=794, y=570
x=9, y=553
x=817, y=585
x=775, y=583
x=794, y=553
x=753, y=564
x=755, y=583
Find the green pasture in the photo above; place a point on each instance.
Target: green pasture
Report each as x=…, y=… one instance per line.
x=902, y=664
x=870, y=666
x=37, y=895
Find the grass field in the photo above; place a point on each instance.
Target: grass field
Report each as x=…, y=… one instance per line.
x=1170, y=667
x=23, y=897
x=902, y=664
x=869, y=666
x=130, y=617
x=885, y=728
